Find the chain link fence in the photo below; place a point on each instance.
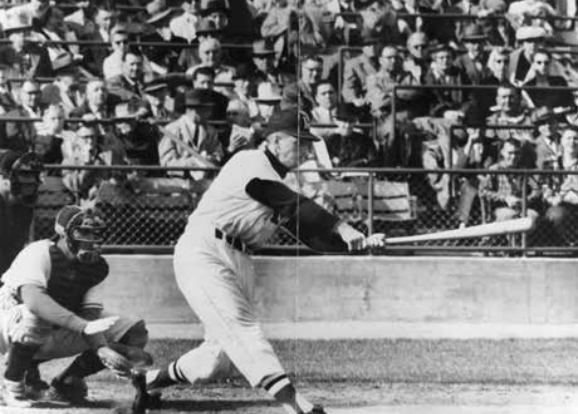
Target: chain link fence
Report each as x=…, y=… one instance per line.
x=148, y=207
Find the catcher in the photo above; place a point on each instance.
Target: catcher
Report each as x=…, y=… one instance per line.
x=50, y=308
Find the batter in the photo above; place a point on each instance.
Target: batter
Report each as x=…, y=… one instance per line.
x=241, y=210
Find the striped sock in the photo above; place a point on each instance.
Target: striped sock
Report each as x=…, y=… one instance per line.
x=280, y=387
x=165, y=377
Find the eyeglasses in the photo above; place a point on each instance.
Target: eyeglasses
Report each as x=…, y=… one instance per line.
x=418, y=46
x=313, y=69
x=541, y=62
x=121, y=42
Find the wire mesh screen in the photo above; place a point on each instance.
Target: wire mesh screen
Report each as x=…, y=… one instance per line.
x=152, y=211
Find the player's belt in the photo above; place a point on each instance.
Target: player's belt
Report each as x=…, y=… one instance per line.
x=233, y=241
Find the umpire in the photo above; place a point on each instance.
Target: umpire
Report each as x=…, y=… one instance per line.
x=241, y=210
x=19, y=182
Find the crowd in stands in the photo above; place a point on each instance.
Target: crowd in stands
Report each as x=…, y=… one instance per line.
x=190, y=83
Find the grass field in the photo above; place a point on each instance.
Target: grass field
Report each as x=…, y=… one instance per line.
x=350, y=374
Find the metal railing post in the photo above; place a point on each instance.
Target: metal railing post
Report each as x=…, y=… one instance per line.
x=370, y=191
x=524, y=211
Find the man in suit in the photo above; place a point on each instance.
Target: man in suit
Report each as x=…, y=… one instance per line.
x=301, y=92
x=7, y=101
x=20, y=136
x=547, y=145
x=521, y=59
x=190, y=141
x=22, y=57
x=473, y=61
x=94, y=56
x=442, y=72
x=539, y=75
x=128, y=86
x=356, y=71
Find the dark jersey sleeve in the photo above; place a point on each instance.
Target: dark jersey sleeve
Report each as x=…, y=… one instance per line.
x=306, y=220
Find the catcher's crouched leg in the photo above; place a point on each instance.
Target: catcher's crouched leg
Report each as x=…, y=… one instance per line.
x=126, y=340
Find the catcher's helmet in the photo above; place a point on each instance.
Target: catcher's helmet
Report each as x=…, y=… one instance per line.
x=83, y=231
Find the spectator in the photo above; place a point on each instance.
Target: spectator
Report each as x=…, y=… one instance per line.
x=495, y=73
x=94, y=56
x=34, y=9
x=204, y=79
x=342, y=145
x=216, y=11
x=7, y=101
x=416, y=60
x=263, y=67
x=356, y=71
x=242, y=135
x=163, y=60
x=477, y=154
x=205, y=30
x=442, y=72
x=155, y=94
x=184, y=26
x=521, y=59
x=504, y=192
x=268, y=100
x=379, y=95
x=539, y=75
x=82, y=22
x=547, y=145
x=112, y=64
x=522, y=12
x=98, y=105
x=243, y=91
x=20, y=136
x=509, y=111
x=561, y=195
x=346, y=29
x=473, y=61
x=65, y=90
x=86, y=150
x=300, y=93
x=51, y=135
x=128, y=86
x=52, y=27
x=23, y=57
x=138, y=139
x=210, y=55
x=190, y=141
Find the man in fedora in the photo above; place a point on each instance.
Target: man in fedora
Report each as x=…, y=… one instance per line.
x=25, y=59
x=263, y=67
x=65, y=89
x=357, y=69
x=443, y=72
x=165, y=58
x=547, y=144
x=190, y=141
x=268, y=100
x=472, y=62
x=531, y=39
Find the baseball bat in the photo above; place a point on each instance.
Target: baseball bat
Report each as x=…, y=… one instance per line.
x=518, y=225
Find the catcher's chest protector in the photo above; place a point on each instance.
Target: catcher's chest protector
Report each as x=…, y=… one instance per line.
x=69, y=281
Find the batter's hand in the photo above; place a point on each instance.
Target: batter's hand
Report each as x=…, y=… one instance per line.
x=99, y=325
x=376, y=240
x=354, y=239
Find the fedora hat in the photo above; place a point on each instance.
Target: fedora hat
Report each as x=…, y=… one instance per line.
x=474, y=33
x=163, y=16
x=268, y=92
x=530, y=33
x=16, y=21
x=543, y=115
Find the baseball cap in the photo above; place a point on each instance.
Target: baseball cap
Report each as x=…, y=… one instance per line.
x=292, y=122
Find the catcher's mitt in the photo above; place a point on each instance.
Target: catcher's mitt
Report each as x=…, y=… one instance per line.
x=121, y=359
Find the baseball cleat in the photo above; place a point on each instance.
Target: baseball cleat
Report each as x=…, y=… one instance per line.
x=68, y=391
x=35, y=386
x=15, y=395
x=143, y=400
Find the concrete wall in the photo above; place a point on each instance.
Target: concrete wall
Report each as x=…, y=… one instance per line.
x=385, y=289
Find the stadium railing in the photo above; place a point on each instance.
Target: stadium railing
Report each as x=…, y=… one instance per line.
x=147, y=210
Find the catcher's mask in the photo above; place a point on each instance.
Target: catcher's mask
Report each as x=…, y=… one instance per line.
x=83, y=231
x=24, y=178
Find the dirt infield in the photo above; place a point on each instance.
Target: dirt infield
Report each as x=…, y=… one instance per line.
x=376, y=376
